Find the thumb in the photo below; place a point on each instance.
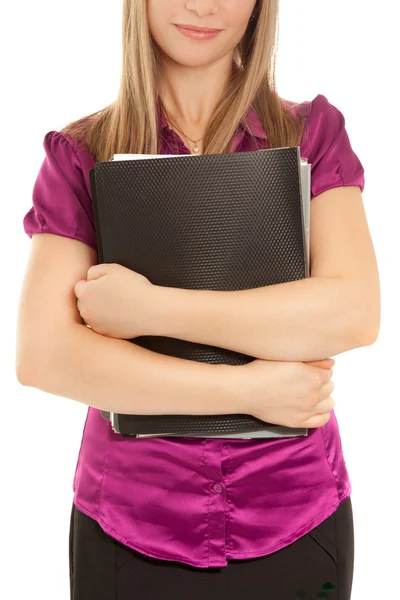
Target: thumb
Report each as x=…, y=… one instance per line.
x=96, y=271
x=79, y=287
x=325, y=363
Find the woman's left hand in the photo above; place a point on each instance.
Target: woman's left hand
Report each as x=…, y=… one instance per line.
x=115, y=301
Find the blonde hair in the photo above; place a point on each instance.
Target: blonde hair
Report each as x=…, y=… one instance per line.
x=130, y=124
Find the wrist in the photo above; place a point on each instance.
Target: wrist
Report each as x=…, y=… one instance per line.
x=235, y=389
x=164, y=305
x=169, y=303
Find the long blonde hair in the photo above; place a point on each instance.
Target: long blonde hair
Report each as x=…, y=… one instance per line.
x=130, y=123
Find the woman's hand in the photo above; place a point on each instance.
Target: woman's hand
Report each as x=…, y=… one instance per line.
x=115, y=301
x=292, y=394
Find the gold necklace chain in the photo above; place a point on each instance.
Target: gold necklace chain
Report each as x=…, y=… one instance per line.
x=195, y=148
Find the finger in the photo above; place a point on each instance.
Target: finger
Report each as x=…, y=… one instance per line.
x=96, y=271
x=79, y=287
x=325, y=363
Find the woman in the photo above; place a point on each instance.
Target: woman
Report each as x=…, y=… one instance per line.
x=201, y=517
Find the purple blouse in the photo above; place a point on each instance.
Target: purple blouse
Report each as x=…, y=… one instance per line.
x=201, y=501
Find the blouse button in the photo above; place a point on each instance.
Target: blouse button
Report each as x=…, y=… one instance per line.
x=217, y=488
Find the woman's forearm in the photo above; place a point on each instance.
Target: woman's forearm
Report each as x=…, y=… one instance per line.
x=302, y=320
x=119, y=376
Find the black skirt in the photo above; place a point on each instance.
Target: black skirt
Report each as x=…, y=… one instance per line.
x=318, y=565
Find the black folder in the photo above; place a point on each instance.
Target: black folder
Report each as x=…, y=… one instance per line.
x=227, y=222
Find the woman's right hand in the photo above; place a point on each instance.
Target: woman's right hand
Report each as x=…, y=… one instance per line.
x=292, y=394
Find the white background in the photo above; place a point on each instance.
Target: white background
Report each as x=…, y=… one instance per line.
x=61, y=61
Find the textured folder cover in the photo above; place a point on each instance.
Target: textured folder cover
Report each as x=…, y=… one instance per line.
x=219, y=222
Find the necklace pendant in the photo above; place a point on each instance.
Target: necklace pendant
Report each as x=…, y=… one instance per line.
x=195, y=149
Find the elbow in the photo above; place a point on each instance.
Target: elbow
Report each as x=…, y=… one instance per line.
x=21, y=371
x=28, y=366
x=368, y=332
x=26, y=357
x=372, y=336
x=24, y=373
x=366, y=317
x=367, y=337
x=354, y=333
x=20, y=375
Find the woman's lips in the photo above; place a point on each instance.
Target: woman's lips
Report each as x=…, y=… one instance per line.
x=197, y=35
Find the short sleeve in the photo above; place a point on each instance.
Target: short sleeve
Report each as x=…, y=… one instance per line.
x=61, y=203
x=333, y=160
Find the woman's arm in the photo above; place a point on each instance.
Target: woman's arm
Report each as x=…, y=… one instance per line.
x=119, y=376
x=57, y=353
x=333, y=311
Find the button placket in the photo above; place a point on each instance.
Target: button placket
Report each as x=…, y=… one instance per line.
x=216, y=505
